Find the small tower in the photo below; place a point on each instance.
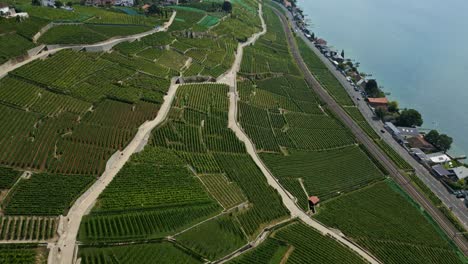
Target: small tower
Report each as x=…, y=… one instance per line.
x=313, y=202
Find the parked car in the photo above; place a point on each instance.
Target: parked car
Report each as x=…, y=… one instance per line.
x=460, y=194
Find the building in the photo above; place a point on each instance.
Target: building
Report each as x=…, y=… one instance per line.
x=4, y=9
x=378, y=102
x=145, y=7
x=320, y=42
x=99, y=2
x=49, y=3
x=460, y=172
x=440, y=171
x=438, y=158
x=419, y=154
x=124, y=2
x=313, y=202
x=394, y=131
x=408, y=132
x=420, y=143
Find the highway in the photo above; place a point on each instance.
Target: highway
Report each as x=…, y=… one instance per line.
x=375, y=151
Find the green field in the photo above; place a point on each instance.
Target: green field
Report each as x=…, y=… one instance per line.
x=45, y=194
x=323, y=75
x=215, y=238
x=165, y=253
x=383, y=219
x=298, y=243
x=324, y=174
x=87, y=34
x=22, y=254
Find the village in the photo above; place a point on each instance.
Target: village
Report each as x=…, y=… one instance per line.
x=422, y=144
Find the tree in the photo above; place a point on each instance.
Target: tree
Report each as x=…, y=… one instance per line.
x=372, y=89
x=444, y=143
x=227, y=7
x=58, y=4
x=342, y=53
x=409, y=118
x=154, y=9
x=70, y=4
x=380, y=113
x=432, y=137
x=36, y=2
x=393, y=106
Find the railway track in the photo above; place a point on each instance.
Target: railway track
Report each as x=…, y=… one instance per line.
x=372, y=147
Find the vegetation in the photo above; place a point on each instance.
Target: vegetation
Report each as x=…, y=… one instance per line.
x=22, y=254
x=298, y=243
x=384, y=219
x=8, y=177
x=324, y=174
x=45, y=194
x=323, y=75
x=215, y=238
x=409, y=118
x=163, y=252
x=440, y=141
x=35, y=228
x=87, y=34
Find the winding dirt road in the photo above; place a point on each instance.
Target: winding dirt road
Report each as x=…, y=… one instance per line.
x=289, y=202
x=101, y=46
x=375, y=150
x=63, y=251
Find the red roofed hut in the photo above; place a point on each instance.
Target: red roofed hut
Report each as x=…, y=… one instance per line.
x=378, y=102
x=313, y=201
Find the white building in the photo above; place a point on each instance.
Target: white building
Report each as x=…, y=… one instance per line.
x=124, y=2
x=438, y=158
x=460, y=172
x=4, y=9
x=50, y=3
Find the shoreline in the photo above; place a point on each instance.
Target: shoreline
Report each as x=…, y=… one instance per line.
x=457, y=149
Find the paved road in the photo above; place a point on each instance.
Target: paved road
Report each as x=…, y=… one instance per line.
x=457, y=205
x=362, y=137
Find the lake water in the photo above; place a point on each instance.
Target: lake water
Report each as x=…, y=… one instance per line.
x=417, y=50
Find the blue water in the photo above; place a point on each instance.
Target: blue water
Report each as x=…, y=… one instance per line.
x=417, y=50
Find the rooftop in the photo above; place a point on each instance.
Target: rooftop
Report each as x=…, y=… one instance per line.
x=441, y=171
x=382, y=100
x=438, y=158
x=314, y=199
x=460, y=172
x=419, y=142
x=408, y=131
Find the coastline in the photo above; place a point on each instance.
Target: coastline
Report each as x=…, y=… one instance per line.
x=400, y=86
x=421, y=178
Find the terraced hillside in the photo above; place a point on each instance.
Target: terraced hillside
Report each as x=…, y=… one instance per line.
x=304, y=150
x=84, y=25
x=191, y=191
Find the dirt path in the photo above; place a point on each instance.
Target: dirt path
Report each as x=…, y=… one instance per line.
x=101, y=46
x=288, y=200
x=63, y=251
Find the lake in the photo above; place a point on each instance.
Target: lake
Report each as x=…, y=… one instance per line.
x=417, y=50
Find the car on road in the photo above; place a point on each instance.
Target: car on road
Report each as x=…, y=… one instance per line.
x=459, y=194
x=382, y=131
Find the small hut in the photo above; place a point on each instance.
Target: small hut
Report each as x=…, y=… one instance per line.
x=313, y=202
